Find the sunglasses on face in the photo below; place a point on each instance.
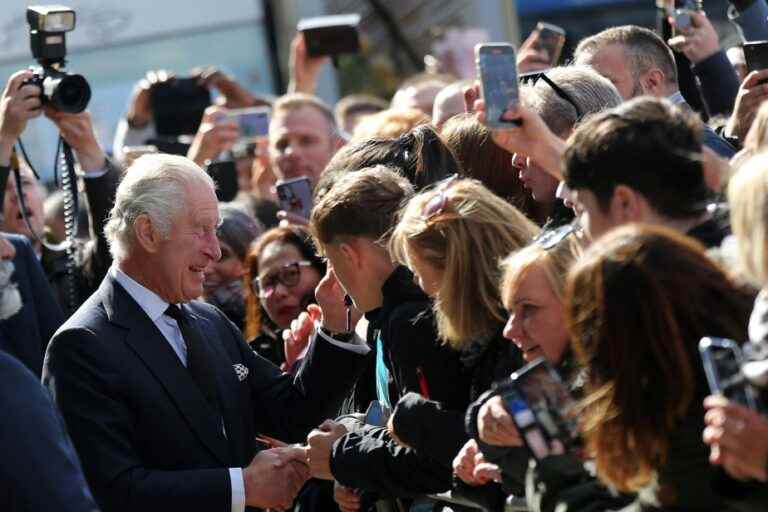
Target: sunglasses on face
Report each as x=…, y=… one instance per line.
x=287, y=275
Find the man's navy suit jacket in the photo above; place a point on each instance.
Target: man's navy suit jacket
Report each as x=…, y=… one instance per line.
x=145, y=434
x=38, y=469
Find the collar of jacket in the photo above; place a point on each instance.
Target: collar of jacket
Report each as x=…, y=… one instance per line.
x=397, y=289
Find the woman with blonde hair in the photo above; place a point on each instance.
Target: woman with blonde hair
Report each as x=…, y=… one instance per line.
x=453, y=237
x=739, y=436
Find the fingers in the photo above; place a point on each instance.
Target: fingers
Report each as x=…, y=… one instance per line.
x=470, y=96
x=486, y=472
x=754, y=78
x=292, y=218
x=346, y=498
x=17, y=79
x=314, y=312
x=292, y=454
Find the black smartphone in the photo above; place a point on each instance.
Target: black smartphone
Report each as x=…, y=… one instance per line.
x=224, y=174
x=331, y=35
x=756, y=55
x=551, y=39
x=542, y=409
x=497, y=69
x=178, y=106
x=722, y=361
x=295, y=196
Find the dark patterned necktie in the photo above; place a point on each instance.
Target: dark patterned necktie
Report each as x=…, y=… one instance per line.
x=197, y=364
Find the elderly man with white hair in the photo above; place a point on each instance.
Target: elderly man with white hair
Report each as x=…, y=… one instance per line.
x=163, y=398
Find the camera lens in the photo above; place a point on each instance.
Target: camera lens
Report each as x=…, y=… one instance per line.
x=69, y=93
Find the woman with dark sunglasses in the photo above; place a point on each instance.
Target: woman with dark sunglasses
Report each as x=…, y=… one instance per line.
x=282, y=271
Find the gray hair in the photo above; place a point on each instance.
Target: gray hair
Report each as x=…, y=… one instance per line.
x=643, y=47
x=588, y=89
x=154, y=185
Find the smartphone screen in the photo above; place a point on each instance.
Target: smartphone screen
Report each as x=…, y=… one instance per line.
x=295, y=196
x=497, y=69
x=551, y=39
x=756, y=55
x=543, y=409
x=253, y=123
x=722, y=361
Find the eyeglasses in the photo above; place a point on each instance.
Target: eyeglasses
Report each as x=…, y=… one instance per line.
x=551, y=237
x=536, y=76
x=436, y=205
x=287, y=275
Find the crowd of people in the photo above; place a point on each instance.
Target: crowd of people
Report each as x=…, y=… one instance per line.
x=183, y=351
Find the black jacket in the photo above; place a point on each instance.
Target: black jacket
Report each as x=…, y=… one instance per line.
x=92, y=259
x=26, y=334
x=39, y=469
x=146, y=437
x=418, y=362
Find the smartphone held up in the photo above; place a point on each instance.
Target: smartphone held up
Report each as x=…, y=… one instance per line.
x=497, y=70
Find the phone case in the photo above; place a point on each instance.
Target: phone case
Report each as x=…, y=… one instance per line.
x=295, y=196
x=497, y=69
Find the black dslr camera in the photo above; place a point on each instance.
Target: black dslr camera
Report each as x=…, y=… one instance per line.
x=61, y=90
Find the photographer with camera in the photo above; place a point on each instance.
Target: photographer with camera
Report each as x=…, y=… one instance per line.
x=138, y=125
x=21, y=102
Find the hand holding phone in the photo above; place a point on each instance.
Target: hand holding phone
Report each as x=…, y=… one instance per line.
x=295, y=196
x=330, y=35
x=542, y=409
x=722, y=361
x=252, y=123
x=550, y=39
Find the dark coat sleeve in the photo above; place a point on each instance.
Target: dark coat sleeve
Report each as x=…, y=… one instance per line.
x=718, y=83
x=371, y=461
x=101, y=197
x=26, y=334
x=289, y=406
x=87, y=387
x=429, y=428
x=39, y=467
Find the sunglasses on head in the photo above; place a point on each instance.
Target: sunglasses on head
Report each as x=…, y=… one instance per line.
x=533, y=78
x=437, y=204
x=552, y=237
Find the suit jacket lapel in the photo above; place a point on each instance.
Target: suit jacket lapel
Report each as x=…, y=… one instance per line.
x=227, y=384
x=156, y=353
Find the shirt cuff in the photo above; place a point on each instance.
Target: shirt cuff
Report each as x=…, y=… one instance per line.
x=238, y=489
x=95, y=174
x=357, y=345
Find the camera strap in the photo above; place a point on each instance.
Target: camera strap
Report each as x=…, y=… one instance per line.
x=64, y=172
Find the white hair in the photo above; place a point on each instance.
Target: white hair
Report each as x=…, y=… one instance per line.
x=589, y=90
x=154, y=185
